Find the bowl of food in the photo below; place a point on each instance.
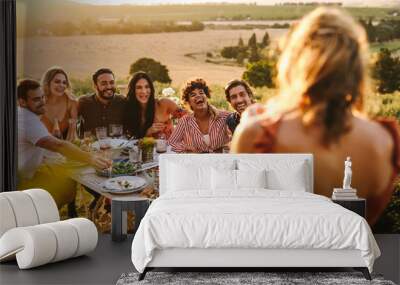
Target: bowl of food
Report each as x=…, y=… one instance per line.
x=120, y=167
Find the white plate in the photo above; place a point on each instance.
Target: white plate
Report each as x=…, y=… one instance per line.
x=116, y=185
x=114, y=143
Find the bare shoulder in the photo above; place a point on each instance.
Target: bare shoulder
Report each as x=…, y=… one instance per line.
x=373, y=129
x=73, y=101
x=252, y=126
x=166, y=103
x=375, y=134
x=247, y=134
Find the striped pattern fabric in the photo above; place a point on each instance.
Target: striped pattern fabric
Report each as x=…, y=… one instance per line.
x=187, y=136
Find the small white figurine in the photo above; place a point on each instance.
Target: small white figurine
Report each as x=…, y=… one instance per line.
x=347, y=174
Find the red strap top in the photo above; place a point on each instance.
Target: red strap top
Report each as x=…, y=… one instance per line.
x=378, y=204
x=392, y=127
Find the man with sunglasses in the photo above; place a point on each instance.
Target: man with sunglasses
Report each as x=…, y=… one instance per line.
x=34, y=139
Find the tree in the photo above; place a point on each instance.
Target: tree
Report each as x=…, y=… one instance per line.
x=259, y=74
x=254, y=55
x=196, y=26
x=252, y=41
x=384, y=30
x=230, y=52
x=369, y=28
x=240, y=43
x=241, y=57
x=156, y=70
x=242, y=49
x=265, y=40
x=387, y=72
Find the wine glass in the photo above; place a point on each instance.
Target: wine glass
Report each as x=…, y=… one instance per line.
x=135, y=155
x=116, y=130
x=101, y=133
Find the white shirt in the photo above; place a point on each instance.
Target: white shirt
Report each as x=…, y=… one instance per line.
x=207, y=139
x=30, y=131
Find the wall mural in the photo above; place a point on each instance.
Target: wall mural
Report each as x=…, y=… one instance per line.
x=105, y=89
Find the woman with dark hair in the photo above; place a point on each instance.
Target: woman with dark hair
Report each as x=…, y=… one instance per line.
x=323, y=78
x=61, y=107
x=205, y=129
x=147, y=116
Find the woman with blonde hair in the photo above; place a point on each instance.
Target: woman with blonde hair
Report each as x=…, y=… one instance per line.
x=61, y=107
x=323, y=79
x=205, y=129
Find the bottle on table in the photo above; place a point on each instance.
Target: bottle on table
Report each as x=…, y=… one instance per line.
x=161, y=145
x=72, y=136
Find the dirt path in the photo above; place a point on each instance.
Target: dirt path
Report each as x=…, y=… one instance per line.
x=82, y=55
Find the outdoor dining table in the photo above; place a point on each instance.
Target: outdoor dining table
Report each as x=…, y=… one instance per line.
x=120, y=203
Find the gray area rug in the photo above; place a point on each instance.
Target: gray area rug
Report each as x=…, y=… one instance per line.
x=243, y=278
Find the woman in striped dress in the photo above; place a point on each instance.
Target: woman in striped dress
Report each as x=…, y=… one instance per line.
x=204, y=130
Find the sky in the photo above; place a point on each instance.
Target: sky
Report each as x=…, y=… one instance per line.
x=260, y=2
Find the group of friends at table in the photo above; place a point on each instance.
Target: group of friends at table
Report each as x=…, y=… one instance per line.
x=323, y=80
x=51, y=118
